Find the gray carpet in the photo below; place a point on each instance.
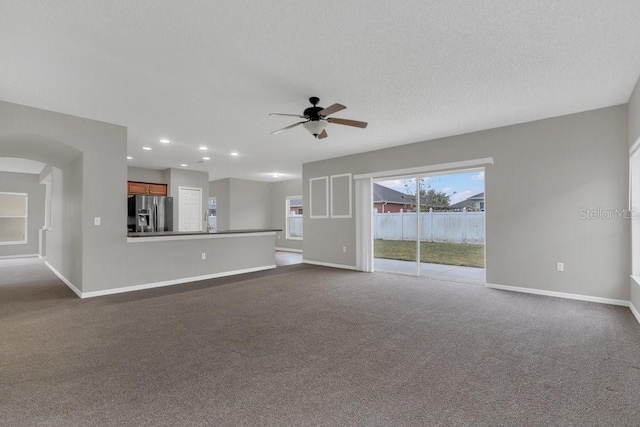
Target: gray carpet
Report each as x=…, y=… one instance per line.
x=306, y=345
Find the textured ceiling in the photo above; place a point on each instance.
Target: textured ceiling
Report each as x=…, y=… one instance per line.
x=209, y=72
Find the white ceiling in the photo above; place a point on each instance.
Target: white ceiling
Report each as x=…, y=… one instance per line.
x=209, y=72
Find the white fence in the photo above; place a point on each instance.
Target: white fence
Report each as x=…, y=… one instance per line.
x=454, y=227
x=295, y=226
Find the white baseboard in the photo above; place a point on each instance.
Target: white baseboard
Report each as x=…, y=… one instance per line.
x=289, y=250
x=20, y=256
x=578, y=297
x=635, y=312
x=64, y=279
x=172, y=282
x=328, y=264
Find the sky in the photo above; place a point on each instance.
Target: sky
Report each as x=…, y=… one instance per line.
x=458, y=187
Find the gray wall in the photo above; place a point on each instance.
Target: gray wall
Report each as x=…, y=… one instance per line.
x=101, y=174
x=220, y=189
x=279, y=193
x=156, y=176
x=545, y=172
x=64, y=239
x=241, y=204
x=634, y=134
x=250, y=205
x=11, y=182
x=73, y=194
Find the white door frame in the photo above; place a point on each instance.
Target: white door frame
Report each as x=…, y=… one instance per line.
x=366, y=230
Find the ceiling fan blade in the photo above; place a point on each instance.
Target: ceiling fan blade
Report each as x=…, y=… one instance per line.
x=323, y=134
x=346, y=122
x=288, y=115
x=287, y=128
x=331, y=109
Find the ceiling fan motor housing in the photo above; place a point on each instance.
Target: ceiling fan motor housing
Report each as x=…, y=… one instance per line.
x=312, y=112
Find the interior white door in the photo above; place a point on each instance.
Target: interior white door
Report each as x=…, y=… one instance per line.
x=189, y=209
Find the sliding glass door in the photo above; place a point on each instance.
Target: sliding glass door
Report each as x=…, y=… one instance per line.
x=396, y=219
x=430, y=225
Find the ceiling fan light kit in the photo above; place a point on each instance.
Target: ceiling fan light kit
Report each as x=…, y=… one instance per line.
x=316, y=119
x=315, y=126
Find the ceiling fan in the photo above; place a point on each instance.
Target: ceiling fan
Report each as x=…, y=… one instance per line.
x=316, y=119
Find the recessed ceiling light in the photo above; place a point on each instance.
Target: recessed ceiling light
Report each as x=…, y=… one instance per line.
x=234, y=154
x=129, y=158
x=203, y=148
x=184, y=165
x=147, y=148
x=276, y=175
x=165, y=141
x=206, y=158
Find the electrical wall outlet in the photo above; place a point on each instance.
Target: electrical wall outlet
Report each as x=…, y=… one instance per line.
x=560, y=266
x=344, y=249
x=204, y=255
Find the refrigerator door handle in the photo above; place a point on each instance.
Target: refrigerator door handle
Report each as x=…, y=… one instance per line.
x=155, y=217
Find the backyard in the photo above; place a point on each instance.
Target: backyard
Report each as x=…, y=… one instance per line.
x=463, y=254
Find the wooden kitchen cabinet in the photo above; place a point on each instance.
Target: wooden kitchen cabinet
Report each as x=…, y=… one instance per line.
x=146, y=188
x=158, y=189
x=138, y=188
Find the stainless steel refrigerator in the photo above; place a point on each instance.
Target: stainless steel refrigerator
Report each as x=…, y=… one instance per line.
x=150, y=213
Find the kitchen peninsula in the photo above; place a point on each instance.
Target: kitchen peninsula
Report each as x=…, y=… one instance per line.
x=186, y=235
x=170, y=258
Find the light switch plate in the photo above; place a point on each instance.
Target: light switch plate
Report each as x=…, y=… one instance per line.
x=96, y=220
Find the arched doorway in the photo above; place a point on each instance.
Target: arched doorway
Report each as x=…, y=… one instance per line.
x=46, y=176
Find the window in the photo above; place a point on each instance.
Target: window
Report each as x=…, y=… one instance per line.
x=294, y=218
x=13, y=218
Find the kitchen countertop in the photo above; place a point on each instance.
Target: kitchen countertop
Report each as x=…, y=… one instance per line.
x=198, y=233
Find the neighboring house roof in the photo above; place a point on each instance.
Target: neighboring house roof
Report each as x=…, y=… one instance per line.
x=461, y=205
x=468, y=202
x=389, y=195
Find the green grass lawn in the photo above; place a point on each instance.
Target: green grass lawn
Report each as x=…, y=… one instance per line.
x=464, y=254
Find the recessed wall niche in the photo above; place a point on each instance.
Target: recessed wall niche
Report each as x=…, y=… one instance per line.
x=341, y=196
x=319, y=197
